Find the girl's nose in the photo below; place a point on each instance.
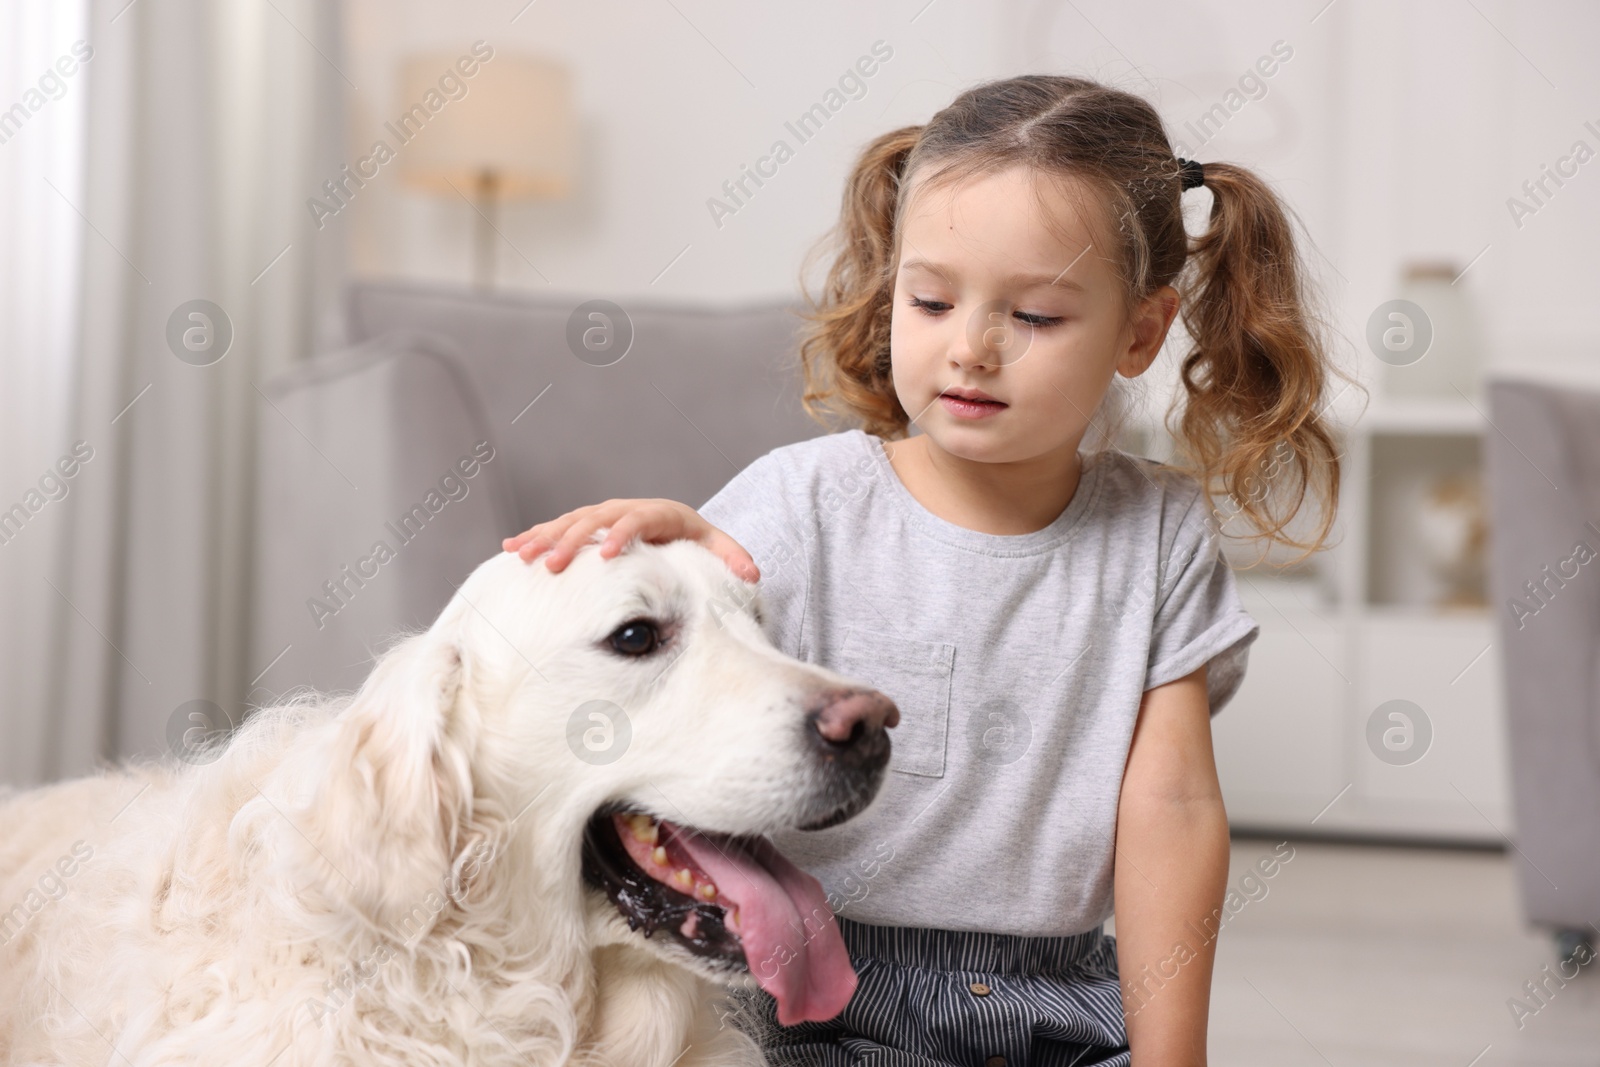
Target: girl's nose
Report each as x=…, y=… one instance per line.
x=993, y=337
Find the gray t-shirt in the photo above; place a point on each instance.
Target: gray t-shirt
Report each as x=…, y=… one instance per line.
x=1017, y=661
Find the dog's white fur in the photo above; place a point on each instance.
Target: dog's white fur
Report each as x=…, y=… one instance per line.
x=393, y=877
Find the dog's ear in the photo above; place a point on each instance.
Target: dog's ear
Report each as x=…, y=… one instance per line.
x=395, y=814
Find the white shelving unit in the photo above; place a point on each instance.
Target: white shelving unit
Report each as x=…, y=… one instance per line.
x=1357, y=628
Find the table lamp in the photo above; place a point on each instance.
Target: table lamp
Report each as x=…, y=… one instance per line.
x=508, y=135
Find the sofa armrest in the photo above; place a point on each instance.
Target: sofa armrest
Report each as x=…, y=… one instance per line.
x=380, y=488
x=1544, y=583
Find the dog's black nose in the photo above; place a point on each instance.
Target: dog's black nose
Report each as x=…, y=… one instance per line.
x=848, y=730
x=851, y=723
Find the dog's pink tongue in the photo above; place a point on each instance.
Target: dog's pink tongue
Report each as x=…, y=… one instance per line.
x=791, y=940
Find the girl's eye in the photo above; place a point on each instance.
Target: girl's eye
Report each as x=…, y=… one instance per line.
x=1039, y=321
x=939, y=307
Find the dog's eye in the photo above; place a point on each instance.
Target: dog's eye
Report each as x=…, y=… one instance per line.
x=637, y=637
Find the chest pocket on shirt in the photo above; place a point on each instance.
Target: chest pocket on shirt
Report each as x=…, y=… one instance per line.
x=916, y=676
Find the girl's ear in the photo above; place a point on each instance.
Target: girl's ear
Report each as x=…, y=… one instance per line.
x=394, y=812
x=1148, y=331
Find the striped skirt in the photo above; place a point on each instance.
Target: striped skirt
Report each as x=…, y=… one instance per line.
x=931, y=998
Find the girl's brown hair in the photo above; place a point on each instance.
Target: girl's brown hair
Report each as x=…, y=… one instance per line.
x=1252, y=426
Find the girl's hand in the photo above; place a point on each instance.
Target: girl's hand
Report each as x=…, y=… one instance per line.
x=654, y=521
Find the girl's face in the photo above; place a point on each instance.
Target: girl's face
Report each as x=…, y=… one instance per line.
x=999, y=296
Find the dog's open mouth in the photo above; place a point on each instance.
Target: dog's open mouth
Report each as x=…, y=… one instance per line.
x=733, y=901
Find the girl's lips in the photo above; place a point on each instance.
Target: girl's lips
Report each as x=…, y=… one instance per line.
x=970, y=409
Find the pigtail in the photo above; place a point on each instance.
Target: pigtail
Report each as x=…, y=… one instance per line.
x=844, y=351
x=1254, y=425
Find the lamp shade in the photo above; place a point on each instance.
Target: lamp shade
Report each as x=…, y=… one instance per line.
x=509, y=122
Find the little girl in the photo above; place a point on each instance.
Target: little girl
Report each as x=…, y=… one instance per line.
x=1055, y=623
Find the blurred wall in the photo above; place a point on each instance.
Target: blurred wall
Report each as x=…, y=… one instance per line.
x=1397, y=132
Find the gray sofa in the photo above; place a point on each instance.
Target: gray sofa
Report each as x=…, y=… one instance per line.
x=373, y=503
x=1543, y=474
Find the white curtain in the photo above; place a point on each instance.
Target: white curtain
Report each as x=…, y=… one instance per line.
x=205, y=125
x=41, y=177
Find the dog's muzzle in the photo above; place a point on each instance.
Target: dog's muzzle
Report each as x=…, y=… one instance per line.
x=734, y=901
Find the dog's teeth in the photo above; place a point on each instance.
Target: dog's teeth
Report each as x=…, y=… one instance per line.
x=659, y=856
x=644, y=828
x=708, y=891
x=685, y=877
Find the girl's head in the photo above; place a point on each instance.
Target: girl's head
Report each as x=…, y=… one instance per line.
x=1028, y=243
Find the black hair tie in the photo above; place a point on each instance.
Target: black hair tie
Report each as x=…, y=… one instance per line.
x=1193, y=173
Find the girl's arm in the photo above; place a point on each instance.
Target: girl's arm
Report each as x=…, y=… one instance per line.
x=1170, y=875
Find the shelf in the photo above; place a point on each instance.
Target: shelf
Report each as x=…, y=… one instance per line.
x=1372, y=628
x=1383, y=415
x=1426, y=526
x=1423, y=613
x=1408, y=415
x=1293, y=600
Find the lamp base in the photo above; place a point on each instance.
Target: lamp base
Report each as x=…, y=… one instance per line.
x=484, y=230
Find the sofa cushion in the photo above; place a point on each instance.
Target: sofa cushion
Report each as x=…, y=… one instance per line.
x=699, y=394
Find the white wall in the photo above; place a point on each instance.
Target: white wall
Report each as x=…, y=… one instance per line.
x=665, y=119
x=1396, y=131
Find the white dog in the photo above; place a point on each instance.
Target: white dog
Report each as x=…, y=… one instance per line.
x=533, y=836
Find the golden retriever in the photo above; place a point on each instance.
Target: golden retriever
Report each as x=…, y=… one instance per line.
x=533, y=836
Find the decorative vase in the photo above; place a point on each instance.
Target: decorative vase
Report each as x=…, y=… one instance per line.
x=1454, y=359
